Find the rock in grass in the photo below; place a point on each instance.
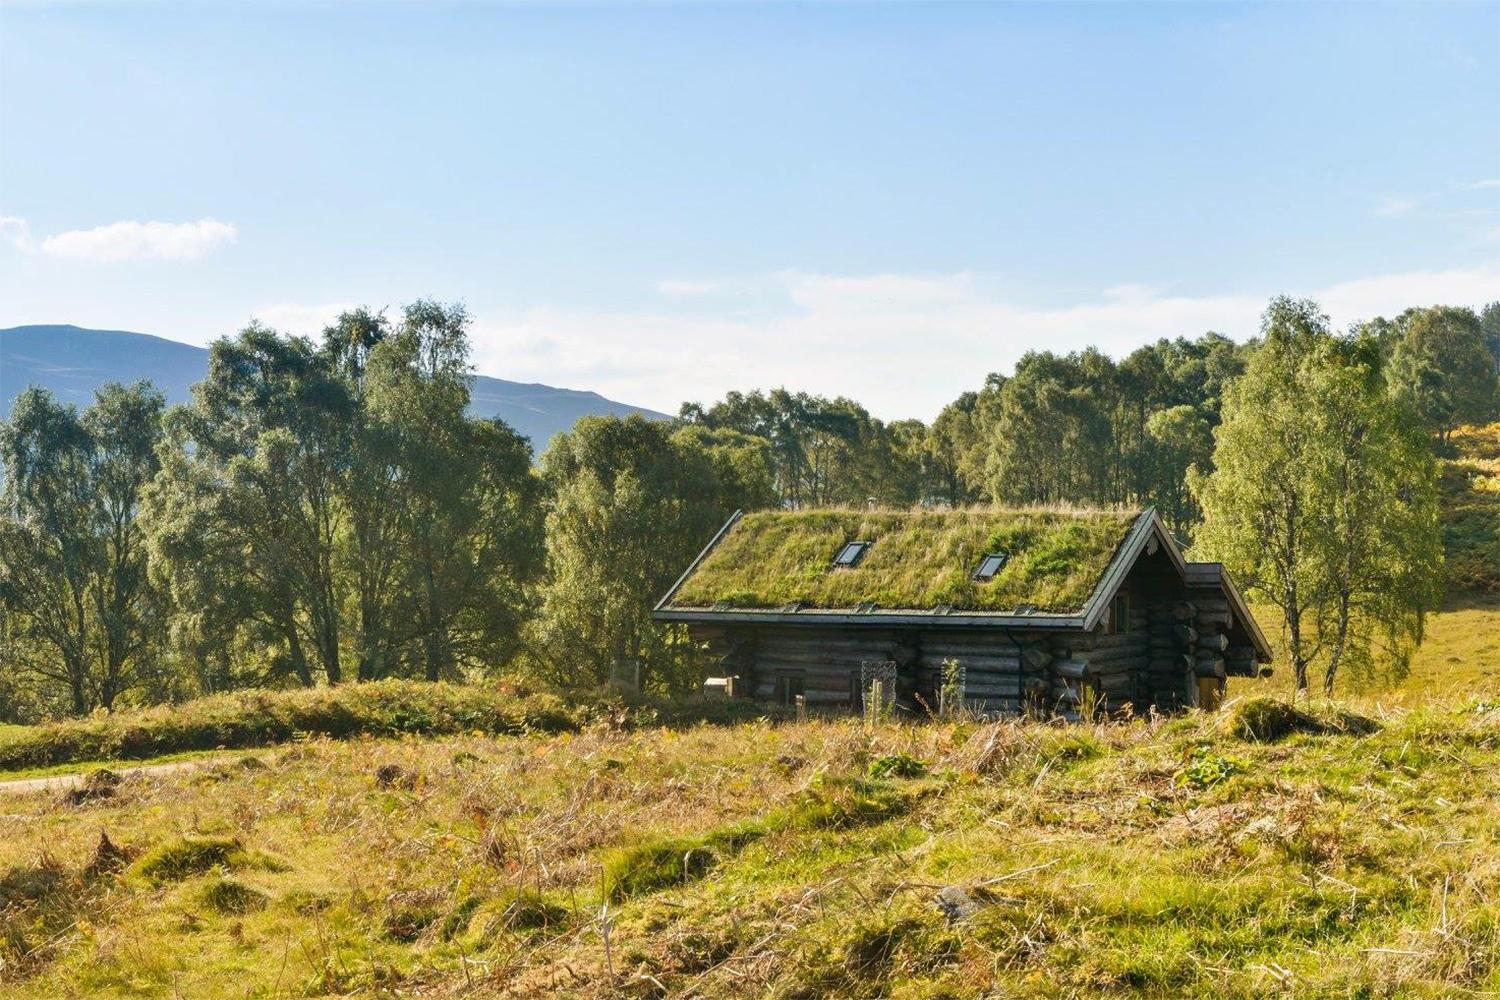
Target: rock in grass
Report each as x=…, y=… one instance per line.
x=955, y=903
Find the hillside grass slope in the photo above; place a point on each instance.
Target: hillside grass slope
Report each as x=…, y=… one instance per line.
x=1470, y=489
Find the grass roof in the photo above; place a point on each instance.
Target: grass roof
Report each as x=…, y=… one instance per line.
x=917, y=560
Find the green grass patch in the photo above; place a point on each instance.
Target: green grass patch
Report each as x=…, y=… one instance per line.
x=247, y=719
x=185, y=857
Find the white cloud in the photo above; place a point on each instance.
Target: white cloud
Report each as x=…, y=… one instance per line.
x=288, y=317
x=1492, y=182
x=141, y=241
x=128, y=240
x=684, y=288
x=902, y=344
x=15, y=228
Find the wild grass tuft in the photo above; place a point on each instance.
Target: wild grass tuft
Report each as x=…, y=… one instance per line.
x=223, y=894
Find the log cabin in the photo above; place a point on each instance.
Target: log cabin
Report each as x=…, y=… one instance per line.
x=997, y=611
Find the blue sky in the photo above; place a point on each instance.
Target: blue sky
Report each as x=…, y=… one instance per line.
x=663, y=202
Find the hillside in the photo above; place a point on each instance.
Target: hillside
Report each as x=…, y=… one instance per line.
x=1470, y=497
x=73, y=362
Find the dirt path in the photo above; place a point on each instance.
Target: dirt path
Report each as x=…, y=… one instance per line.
x=58, y=782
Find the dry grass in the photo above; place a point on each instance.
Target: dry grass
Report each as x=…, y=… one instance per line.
x=1158, y=858
x=918, y=559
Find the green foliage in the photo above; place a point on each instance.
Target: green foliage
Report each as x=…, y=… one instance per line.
x=1085, y=429
x=917, y=559
x=631, y=506
x=77, y=608
x=1205, y=768
x=1470, y=487
x=328, y=507
x=1441, y=367
x=1322, y=501
x=896, y=765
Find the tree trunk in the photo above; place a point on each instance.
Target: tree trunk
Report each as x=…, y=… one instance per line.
x=1338, y=646
x=299, y=658
x=436, y=640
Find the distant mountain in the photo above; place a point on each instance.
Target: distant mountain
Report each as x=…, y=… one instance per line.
x=73, y=362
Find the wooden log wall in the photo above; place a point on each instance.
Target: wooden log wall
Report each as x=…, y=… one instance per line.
x=1113, y=661
x=829, y=662
x=998, y=677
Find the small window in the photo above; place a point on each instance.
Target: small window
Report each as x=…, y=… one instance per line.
x=989, y=566
x=1119, y=614
x=850, y=554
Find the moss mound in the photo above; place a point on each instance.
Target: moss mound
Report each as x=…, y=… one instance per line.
x=230, y=896
x=655, y=865
x=179, y=859
x=1266, y=720
x=845, y=803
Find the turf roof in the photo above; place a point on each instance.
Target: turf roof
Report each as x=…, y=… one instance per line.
x=917, y=560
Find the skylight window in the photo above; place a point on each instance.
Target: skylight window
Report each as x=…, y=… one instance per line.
x=989, y=566
x=850, y=554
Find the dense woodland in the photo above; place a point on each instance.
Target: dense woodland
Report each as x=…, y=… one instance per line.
x=324, y=511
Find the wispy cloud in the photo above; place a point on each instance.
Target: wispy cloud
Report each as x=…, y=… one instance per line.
x=1394, y=208
x=289, y=317
x=1484, y=185
x=127, y=240
x=903, y=344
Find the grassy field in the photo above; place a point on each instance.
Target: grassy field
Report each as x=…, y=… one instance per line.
x=1349, y=859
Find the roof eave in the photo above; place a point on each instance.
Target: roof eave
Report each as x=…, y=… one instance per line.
x=1263, y=652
